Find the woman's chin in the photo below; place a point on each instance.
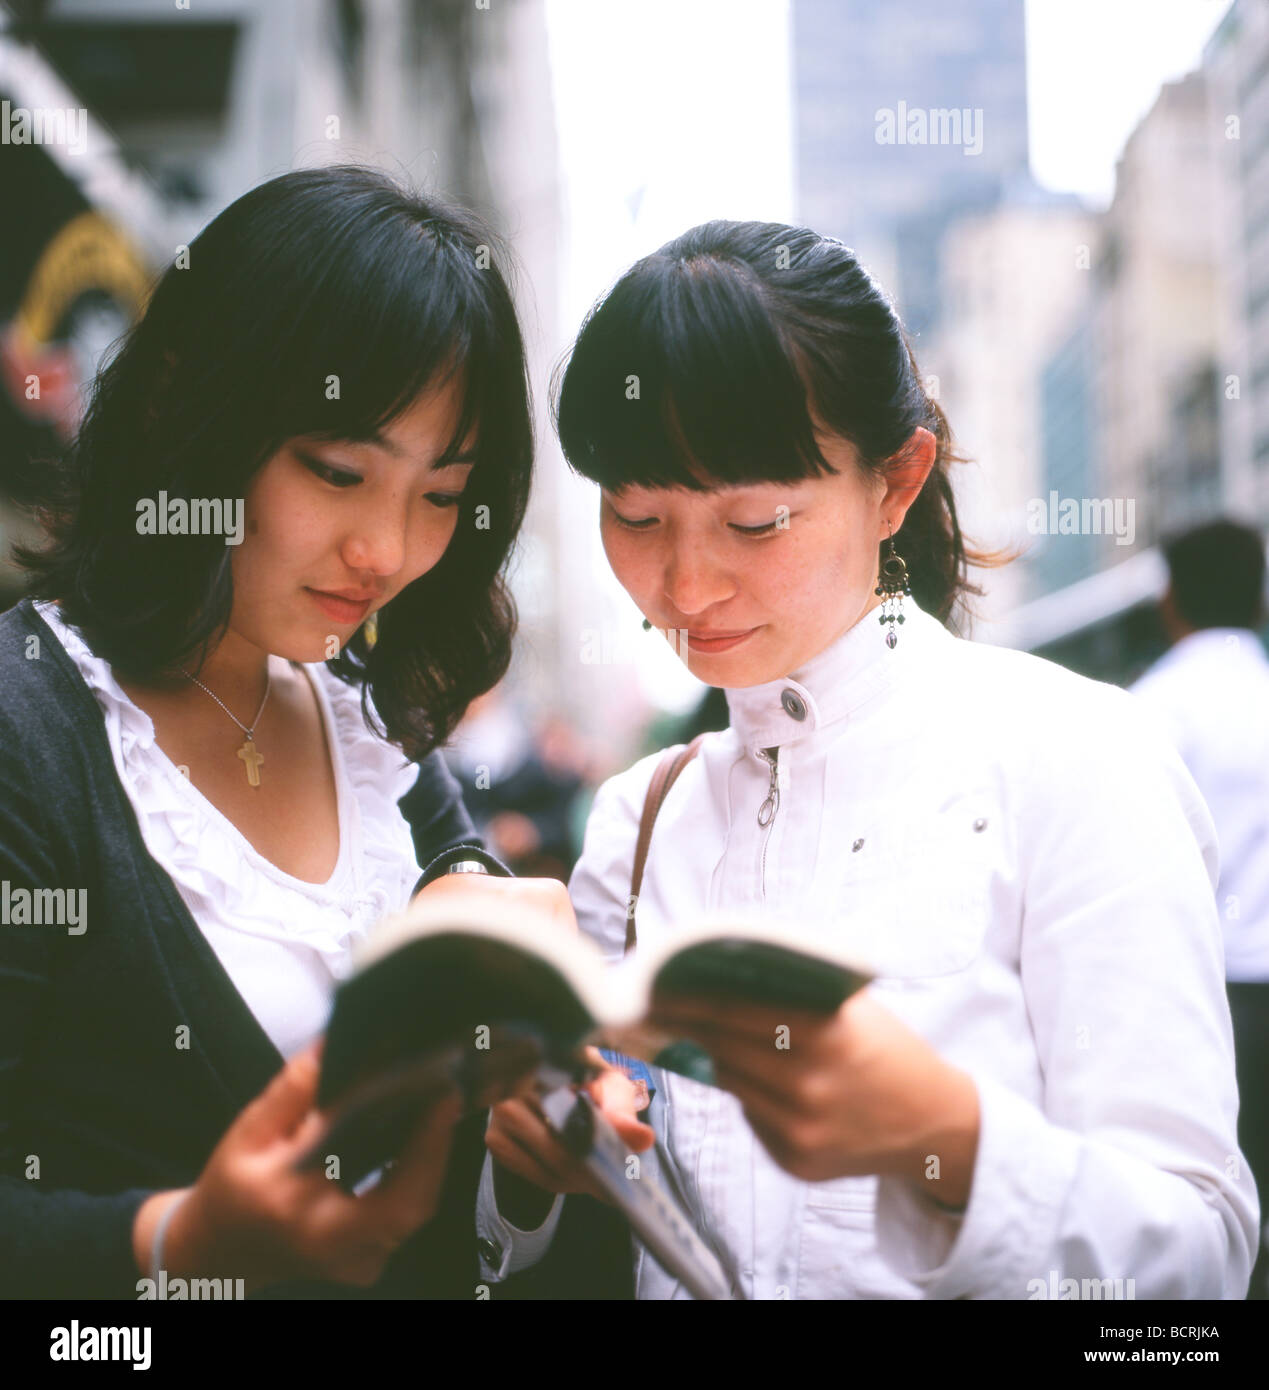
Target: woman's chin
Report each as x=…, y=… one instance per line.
x=726, y=669
x=311, y=647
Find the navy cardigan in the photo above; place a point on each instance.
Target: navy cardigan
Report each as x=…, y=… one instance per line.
x=98, y=1106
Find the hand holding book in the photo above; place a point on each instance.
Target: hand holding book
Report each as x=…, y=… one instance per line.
x=254, y=1213
x=531, y=1162
x=847, y=1094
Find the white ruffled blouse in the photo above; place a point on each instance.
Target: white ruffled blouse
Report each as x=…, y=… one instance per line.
x=283, y=942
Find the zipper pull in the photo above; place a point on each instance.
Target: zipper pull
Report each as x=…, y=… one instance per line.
x=766, y=812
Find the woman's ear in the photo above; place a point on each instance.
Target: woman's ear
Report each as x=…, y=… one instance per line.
x=906, y=473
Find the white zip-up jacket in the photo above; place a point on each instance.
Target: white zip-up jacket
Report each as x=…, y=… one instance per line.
x=1030, y=867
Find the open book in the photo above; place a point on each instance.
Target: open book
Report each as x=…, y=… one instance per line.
x=492, y=998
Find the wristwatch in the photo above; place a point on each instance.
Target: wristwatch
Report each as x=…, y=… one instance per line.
x=467, y=866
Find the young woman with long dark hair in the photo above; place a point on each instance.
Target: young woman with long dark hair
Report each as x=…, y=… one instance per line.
x=320, y=426
x=1038, y=1087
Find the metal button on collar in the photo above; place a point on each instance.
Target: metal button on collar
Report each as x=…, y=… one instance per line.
x=794, y=704
x=857, y=846
x=981, y=823
x=490, y=1251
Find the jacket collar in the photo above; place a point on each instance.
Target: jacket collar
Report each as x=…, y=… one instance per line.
x=850, y=671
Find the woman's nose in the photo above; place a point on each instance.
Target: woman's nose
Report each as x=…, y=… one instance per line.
x=377, y=545
x=693, y=584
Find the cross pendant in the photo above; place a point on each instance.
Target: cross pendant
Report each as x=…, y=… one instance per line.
x=252, y=758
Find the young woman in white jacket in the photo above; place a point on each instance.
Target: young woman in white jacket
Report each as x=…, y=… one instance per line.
x=1037, y=1091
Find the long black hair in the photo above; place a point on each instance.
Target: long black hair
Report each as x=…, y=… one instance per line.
x=708, y=356
x=320, y=273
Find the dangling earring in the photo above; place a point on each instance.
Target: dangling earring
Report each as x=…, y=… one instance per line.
x=647, y=625
x=371, y=628
x=892, y=582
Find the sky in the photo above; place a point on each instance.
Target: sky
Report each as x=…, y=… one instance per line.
x=1094, y=68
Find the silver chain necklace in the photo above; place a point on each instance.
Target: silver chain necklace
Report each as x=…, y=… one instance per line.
x=250, y=755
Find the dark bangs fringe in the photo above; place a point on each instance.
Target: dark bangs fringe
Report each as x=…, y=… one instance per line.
x=718, y=394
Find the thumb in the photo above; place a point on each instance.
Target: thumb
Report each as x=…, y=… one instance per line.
x=284, y=1102
x=617, y=1096
x=634, y=1133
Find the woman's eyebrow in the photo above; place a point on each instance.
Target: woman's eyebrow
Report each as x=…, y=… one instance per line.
x=377, y=440
x=468, y=456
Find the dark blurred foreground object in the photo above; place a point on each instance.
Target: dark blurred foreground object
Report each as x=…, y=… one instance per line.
x=520, y=786
x=591, y=1257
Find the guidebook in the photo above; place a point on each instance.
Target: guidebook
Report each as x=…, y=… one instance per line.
x=492, y=999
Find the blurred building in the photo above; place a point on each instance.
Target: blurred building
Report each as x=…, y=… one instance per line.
x=1155, y=392
x=1158, y=286
x=1237, y=62
x=906, y=116
x=79, y=241
x=1070, y=445
x=213, y=98
x=1009, y=276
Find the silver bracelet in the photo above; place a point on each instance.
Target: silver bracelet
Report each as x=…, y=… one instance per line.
x=160, y=1230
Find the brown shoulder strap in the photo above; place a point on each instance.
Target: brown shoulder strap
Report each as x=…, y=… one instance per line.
x=672, y=763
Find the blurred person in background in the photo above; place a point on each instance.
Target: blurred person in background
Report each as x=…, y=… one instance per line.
x=520, y=786
x=1210, y=691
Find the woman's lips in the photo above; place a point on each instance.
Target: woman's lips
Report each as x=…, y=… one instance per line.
x=717, y=644
x=341, y=609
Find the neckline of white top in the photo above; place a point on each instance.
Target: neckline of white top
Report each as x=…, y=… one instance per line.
x=144, y=727
x=846, y=674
